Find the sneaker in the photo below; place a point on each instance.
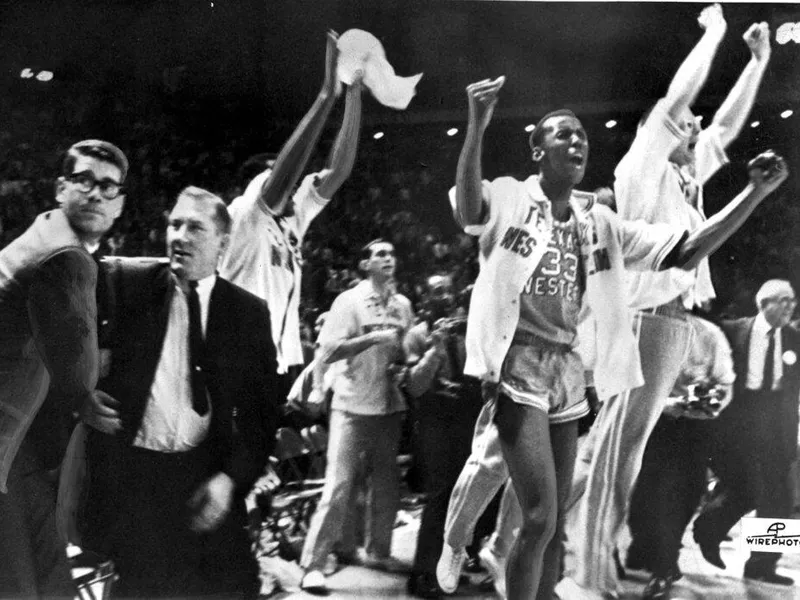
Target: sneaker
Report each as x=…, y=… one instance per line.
x=496, y=566
x=448, y=569
x=314, y=582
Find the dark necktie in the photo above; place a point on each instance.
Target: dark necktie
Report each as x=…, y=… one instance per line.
x=196, y=350
x=769, y=366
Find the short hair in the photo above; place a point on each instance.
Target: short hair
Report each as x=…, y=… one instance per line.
x=538, y=132
x=366, y=250
x=222, y=217
x=255, y=165
x=98, y=149
x=772, y=288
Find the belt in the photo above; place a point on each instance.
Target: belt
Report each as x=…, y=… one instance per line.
x=673, y=308
x=526, y=338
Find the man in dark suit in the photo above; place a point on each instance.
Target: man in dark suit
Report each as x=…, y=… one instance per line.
x=185, y=420
x=755, y=439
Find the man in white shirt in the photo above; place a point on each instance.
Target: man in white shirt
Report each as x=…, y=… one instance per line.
x=186, y=419
x=365, y=328
x=755, y=440
x=659, y=180
x=269, y=221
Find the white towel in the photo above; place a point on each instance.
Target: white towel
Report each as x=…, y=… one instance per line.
x=360, y=50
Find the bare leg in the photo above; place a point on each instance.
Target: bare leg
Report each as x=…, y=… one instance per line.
x=525, y=440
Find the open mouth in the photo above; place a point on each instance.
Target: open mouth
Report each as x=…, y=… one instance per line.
x=576, y=159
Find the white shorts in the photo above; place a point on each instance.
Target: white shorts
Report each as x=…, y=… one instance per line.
x=547, y=376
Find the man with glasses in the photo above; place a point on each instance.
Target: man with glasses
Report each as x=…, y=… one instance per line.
x=49, y=358
x=755, y=439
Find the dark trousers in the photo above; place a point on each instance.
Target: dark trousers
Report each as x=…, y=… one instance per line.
x=754, y=444
x=139, y=518
x=668, y=491
x=445, y=434
x=33, y=559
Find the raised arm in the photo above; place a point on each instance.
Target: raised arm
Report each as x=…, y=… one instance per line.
x=482, y=97
x=693, y=72
x=297, y=150
x=733, y=113
x=343, y=154
x=767, y=172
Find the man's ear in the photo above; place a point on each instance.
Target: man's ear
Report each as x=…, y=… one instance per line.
x=362, y=265
x=537, y=154
x=61, y=183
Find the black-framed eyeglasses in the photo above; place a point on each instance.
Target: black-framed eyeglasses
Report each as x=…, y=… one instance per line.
x=86, y=182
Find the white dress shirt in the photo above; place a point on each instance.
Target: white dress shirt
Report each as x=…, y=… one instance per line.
x=170, y=424
x=757, y=355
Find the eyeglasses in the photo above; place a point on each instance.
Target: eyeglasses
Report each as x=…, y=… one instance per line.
x=86, y=182
x=785, y=301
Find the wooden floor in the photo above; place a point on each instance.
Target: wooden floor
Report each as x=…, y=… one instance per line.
x=701, y=581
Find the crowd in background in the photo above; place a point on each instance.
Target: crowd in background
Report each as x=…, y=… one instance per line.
x=397, y=195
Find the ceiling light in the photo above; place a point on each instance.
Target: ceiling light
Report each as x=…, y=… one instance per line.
x=378, y=135
x=452, y=132
x=530, y=128
x=755, y=124
x=786, y=114
x=611, y=124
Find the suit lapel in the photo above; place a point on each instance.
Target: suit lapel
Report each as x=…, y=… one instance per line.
x=743, y=347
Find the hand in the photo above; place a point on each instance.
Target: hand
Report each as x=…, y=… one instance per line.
x=757, y=39
x=211, y=503
x=331, y=62
x=358, y=80
x=482, y=98
x=397, y=373
x=767, y=172
x=100, y=411
x=438, y=340
x=711, y=19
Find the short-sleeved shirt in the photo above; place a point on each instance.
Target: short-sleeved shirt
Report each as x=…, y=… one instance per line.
x=650, y=187
x=550, y=302
x=263, y=257
x=362, y=386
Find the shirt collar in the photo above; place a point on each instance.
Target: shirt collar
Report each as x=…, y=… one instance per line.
x=761, y=326
x=91, y=248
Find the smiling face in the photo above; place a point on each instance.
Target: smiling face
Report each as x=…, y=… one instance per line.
x=89, y=214
x=195, y=241
x=563, y=151
x=778, y=305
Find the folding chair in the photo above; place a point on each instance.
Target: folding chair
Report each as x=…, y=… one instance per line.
x=93, y=576
x=286, y=507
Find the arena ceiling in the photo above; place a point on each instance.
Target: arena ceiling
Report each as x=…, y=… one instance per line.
x=591, y=56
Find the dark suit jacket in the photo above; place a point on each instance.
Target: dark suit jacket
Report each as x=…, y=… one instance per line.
x=739, y=416
x=242, y=369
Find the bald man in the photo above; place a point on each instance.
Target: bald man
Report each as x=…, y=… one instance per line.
x=755, y=439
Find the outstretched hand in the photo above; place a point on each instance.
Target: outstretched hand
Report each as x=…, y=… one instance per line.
x=482, y=97
x=757, y=39
x=331, y=62
x=712, y=19
x=767, y=172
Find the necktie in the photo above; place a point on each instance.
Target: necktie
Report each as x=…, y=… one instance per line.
x=769, y=366
x=196, y=349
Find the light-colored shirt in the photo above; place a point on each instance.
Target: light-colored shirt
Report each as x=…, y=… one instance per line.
x=264, y=258
x=650, y=187
x=513, y=240
x=757, y=355
x=550, y=302
x=710, y=359
x=170, y=424
x=362, y=385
